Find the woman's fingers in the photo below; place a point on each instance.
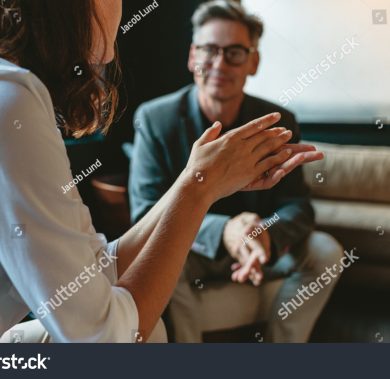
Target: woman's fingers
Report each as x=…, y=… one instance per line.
x=287, y=160
x=270, y=146
x=292, y=163
x=298, y=159
x=265, y=135
x=271, y=165
x=301, y=158
x=280, y=171
x=298, y=147
x=254, y=127
x=272, y=161
x=266, y=183
x=211, y=134
x=313, y=156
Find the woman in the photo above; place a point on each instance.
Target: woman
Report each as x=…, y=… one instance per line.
x=52, y=261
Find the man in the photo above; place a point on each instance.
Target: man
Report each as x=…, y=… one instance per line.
x=251, y=237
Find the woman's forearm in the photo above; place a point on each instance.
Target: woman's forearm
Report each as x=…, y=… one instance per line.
x=132, y=242
x=153, y=275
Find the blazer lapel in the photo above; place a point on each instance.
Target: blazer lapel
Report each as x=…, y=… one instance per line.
x=190, y=120
x=194, y=113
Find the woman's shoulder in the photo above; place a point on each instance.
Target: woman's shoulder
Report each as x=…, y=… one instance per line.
x=11, y=74
x=21, y=90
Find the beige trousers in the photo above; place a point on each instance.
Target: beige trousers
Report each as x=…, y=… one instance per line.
x=34, y=332
x=300, y=267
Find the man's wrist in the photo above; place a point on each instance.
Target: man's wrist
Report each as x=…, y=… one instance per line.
x=224, y=245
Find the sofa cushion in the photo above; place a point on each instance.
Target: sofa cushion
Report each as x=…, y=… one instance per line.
x=351, y=173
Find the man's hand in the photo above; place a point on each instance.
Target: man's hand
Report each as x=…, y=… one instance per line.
x=249, y=250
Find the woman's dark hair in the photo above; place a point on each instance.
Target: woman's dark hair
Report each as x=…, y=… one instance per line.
x=54, y=39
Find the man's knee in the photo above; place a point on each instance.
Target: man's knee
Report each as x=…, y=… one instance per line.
x=322, y=250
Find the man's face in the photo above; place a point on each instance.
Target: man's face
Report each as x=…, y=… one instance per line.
x=217, y=78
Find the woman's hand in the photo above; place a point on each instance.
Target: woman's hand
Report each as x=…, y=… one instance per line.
x=240, y=158
x=301, y=154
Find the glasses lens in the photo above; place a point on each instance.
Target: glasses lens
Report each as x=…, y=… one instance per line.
x=236, y=55
x=206, y=53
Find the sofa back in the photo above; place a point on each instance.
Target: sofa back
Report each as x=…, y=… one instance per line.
x=348, y=172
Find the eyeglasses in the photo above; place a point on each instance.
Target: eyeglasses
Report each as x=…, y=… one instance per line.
x=234, y=55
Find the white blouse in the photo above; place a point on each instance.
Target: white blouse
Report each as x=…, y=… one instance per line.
x=52, y=261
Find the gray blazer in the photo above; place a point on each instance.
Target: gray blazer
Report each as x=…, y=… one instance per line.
x=166, y=129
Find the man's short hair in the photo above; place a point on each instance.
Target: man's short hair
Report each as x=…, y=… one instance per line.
x=228, y=10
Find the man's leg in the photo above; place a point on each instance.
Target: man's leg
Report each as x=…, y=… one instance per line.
x=185, y=304
x=183, y=313
x=304, y=266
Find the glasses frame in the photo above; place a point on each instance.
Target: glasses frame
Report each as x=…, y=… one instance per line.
x=224, y=51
